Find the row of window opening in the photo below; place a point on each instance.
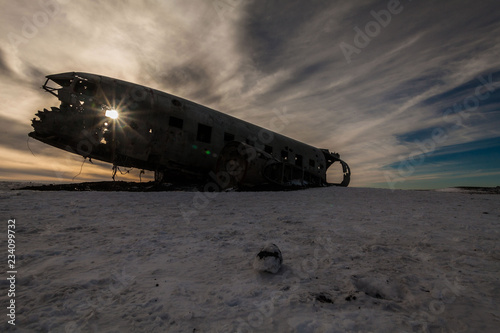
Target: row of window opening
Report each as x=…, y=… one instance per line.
x=204, y=134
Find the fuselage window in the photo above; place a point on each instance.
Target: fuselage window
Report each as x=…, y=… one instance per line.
x=284, y=155
x=268, y=149
x=204, y=133
x=228, y=137
x=176, y=122
x=298, y=160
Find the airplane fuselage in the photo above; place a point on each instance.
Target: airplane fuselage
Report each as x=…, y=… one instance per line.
x=131, y=125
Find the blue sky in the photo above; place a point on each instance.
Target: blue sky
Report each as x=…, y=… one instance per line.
x=408, y=92
x=472, y=163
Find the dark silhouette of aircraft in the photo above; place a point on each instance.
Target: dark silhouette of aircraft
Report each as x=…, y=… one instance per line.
x=135, y=126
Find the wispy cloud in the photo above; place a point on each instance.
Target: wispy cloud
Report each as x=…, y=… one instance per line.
x=247, y=58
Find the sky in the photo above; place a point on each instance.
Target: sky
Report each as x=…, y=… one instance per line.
x=407, y=92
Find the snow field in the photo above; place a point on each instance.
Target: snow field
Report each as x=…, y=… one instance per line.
x=354, y=260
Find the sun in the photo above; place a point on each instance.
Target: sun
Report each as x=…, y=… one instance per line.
x=113, y=114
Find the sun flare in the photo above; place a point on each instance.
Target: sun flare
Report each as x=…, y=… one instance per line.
x=113, y=114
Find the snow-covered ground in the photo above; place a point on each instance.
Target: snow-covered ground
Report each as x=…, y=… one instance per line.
x=354, y=260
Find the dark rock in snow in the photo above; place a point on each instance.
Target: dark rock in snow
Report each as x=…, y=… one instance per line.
x=323, y=297
x=269, y=259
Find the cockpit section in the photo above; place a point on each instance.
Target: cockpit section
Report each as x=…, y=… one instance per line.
x=83, y=121
x=97, y=117
x=70, y=88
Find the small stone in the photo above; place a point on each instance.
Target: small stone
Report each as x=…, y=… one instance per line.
x=269, y=259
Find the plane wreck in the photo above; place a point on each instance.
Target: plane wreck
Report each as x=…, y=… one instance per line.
x=130, y=125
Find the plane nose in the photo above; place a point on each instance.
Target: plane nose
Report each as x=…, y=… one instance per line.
x=61, y=76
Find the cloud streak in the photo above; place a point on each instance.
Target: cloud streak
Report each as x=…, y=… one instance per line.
x=246, y=58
